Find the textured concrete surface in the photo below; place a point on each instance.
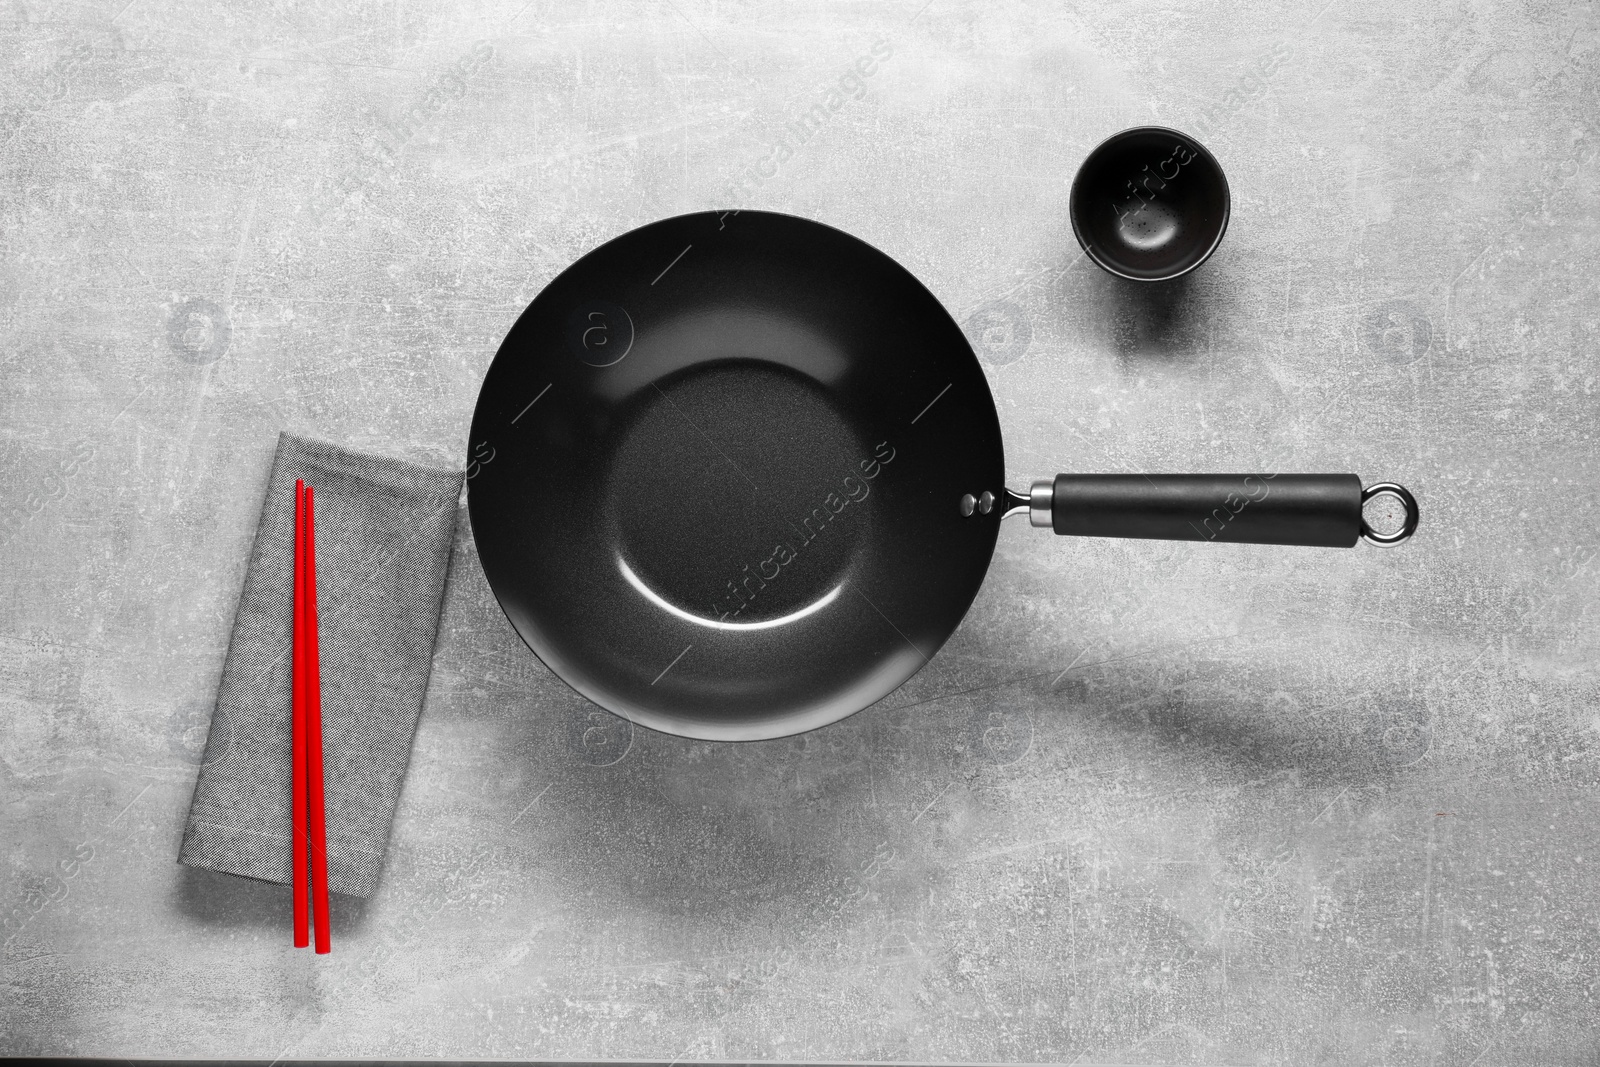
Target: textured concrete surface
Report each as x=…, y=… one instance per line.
x=1153, y=804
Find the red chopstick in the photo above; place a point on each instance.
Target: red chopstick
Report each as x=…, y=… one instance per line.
x=297, y=703
x=319, y=828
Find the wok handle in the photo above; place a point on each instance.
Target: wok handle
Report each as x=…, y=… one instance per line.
x=1320, y=510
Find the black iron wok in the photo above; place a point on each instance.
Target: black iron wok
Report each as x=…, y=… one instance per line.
x=737, y=475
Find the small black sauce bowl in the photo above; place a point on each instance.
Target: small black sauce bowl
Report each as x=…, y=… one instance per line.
x=1149, y=204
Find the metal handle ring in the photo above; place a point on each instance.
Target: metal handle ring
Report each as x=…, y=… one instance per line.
x=1407, y=501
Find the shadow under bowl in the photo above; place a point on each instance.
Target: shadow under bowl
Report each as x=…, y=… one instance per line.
x=1149, y=204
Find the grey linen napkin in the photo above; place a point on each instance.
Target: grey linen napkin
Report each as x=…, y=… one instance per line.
x=384, y=530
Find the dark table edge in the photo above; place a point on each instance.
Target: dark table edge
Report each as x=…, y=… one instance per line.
x=151, y=1061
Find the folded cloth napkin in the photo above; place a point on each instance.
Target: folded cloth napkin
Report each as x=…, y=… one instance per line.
x=384, y=530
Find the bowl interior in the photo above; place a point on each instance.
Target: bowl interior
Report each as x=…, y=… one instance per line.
x=1150, y=204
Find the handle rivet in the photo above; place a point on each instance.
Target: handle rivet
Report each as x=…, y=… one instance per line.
x=968, y=502
x=986, y=502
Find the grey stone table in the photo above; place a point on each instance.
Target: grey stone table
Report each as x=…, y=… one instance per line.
x=1153, y=803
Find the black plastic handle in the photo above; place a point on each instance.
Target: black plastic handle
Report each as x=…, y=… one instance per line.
x=1320, y=510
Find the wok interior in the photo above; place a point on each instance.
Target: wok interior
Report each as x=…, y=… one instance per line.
x=739, y=494
x=745, y=523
